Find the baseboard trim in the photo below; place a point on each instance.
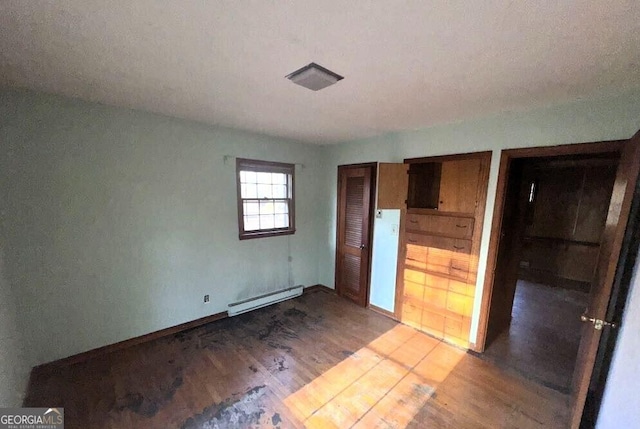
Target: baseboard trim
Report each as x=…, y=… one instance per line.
x=90, y=354
x=382, y=311
x=318, y=287
x=100, y=351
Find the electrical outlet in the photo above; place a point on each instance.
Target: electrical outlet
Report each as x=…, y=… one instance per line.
x=206, y=298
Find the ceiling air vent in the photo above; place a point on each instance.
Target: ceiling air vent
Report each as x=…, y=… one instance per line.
x=314, y=77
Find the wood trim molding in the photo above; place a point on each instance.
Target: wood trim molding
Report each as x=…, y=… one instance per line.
x=402, y=254
x=454, y=157
x=100, y=351
x=506, y=157
x=610, y=146
x=382, y=311
x=318, y=288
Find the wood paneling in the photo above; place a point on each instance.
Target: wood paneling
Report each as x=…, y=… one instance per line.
x=556, y=202
x=392, y=186
x=570, y=202
x=561, y=240
x=563, y=259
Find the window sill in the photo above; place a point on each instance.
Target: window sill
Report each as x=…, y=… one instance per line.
x=264, y=234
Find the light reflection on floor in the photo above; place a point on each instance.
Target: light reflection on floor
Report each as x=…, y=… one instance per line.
x=384, y=384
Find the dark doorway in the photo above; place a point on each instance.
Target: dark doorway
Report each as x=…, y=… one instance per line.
x=508, y=241
x=558, y=206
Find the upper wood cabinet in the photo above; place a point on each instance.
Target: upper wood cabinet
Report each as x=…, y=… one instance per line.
x=447, y=186
x=459, y=186
x=392, y=185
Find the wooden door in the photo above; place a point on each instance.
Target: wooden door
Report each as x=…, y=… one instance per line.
x=459, y=185
x=506, y=272
x=610, y=246
x=392, y=186
x=353, y=255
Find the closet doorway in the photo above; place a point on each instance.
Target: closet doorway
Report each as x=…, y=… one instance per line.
x=556, y=248
x=356, y=192
x=560, y=206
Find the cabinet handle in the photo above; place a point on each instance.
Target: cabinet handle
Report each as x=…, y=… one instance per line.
x=458, y=247
x=412, y=241
x=461, y=226
x=459, y=269
x=413, y=221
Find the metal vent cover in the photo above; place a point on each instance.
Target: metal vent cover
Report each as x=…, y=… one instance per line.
x=314, y=77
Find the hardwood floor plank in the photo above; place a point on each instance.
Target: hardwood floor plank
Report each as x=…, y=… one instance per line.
x=544, y=335
x=314, y=361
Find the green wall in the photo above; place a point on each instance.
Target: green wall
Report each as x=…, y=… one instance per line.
x=14, y=369
x=117, y=222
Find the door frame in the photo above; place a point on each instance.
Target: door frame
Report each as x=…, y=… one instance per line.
x=506, y=159
x=372, y=207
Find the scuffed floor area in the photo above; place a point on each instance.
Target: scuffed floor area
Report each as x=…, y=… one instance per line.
x=314, y=361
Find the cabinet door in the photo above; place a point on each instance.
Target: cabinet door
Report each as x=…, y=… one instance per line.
x=459, y=186
x=392, y=185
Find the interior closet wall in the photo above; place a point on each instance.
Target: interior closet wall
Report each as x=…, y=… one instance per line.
x=568, y=202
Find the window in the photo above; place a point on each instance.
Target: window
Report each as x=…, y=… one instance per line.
x=265, y=198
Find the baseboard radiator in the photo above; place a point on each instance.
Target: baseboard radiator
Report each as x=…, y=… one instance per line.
x=264, y=300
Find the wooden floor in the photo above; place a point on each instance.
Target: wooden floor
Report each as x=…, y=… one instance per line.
x=543, y=339
x=316, y=361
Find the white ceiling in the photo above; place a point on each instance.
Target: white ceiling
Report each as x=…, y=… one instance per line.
x=407, y=64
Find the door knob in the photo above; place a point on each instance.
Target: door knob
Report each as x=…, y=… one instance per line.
x=598, y=324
